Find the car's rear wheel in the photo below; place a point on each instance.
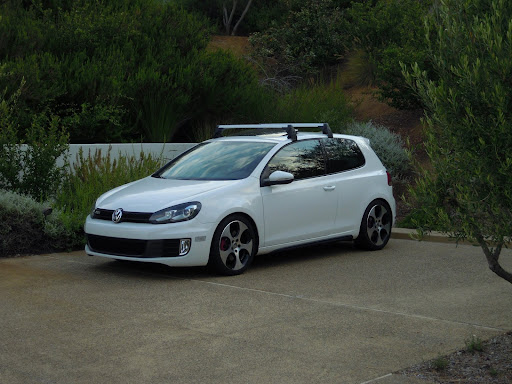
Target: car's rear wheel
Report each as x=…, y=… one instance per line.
x=233, y=246
x=375, y=229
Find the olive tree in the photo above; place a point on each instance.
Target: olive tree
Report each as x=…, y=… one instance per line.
x=467, y=193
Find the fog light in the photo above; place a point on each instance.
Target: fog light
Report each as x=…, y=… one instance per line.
x=184, y=246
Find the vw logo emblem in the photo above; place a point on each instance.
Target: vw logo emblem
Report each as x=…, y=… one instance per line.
x=117, y=215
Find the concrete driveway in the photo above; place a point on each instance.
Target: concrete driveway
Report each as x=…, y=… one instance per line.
x=329, y=314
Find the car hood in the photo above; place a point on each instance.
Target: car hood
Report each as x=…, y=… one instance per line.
x=153, y=194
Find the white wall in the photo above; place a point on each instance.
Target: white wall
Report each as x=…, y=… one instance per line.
x=168, y=151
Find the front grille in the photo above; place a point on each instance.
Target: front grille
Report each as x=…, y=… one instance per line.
x=133, y=247
x=128, y=217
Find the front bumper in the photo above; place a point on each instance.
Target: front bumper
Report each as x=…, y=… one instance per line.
x=154, y=243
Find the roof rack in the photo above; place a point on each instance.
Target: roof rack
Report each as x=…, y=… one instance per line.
x=288, y=127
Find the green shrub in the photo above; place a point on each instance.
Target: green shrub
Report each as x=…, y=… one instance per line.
x=359, y=70
x=440, y=363
x=390, y=32
x=119, y=70
x=313, y=103
x=474, y=344
x=91, y=176
x=31, y=169
x=387, y=145
x=24, y=229
x=311, y=38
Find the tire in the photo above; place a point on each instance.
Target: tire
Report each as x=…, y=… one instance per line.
x=375, y=229
x=234, y=246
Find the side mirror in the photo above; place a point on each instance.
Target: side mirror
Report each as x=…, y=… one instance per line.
x=277, y=178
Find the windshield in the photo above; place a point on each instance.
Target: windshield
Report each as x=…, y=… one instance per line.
x=217, y=160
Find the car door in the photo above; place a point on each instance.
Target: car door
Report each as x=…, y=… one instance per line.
x=345, y=163
x=306, y=208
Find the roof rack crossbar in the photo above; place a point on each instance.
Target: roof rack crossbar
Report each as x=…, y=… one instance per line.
x=288, y=127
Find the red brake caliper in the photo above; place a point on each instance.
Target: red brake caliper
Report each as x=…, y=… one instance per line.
x=224, y=244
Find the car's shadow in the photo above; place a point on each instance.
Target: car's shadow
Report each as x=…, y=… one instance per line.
x=303, y=254
x=261, y=262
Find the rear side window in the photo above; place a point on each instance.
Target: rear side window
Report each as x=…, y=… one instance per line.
x=342, y=155
x=303, y=159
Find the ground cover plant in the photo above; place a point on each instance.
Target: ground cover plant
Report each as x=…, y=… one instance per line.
x=27, y=226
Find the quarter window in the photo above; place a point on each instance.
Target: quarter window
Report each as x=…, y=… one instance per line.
x=303, y=159
x=342, y=155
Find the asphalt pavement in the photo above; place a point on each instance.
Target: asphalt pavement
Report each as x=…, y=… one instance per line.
x=329, y=314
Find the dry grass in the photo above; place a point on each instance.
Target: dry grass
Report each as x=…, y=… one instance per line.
x=238, y=45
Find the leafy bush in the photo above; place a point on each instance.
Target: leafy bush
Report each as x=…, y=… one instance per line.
x=359, y=70
x=91, y=176
x=390, y=32
x=31, y=169
x=261, y=15
x=24, y=229
x=387, y=145
x=311, y=38
x=319, y=102
x=118, y=70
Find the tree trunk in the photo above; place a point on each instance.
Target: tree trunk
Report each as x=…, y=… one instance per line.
x=235, y=28
x=493, y=257
x=228, y=20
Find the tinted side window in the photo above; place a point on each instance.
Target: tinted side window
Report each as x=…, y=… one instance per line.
x=342, y=155
x=303, y=159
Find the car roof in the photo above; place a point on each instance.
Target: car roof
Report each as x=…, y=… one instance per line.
x=281, y=137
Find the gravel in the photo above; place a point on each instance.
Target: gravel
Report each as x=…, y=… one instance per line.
x=491, y=365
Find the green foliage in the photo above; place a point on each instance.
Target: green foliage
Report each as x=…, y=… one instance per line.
x=389, y=32
x=24, y=229
x=261, y=15
x=474, y=344
x=387, y=145
x=118, y=70
x=468, y=192
x=440, y=363
x=359, y=70
x=311, y=38
x=32, y=168
x=93, y=175
x=312, y=103
x=230, y=90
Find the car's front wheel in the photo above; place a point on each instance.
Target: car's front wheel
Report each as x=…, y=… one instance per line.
x=233, y=246
x=375, y=229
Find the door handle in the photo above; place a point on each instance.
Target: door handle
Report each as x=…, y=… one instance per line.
x=330, y=188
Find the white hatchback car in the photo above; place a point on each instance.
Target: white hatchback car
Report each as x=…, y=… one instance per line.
x=230, y=198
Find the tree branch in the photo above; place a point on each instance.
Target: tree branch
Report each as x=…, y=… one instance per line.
x=227, y=21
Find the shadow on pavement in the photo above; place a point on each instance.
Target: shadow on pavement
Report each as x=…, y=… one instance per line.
x=128, y=268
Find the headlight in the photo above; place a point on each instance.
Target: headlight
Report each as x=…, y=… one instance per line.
x=181, y=212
